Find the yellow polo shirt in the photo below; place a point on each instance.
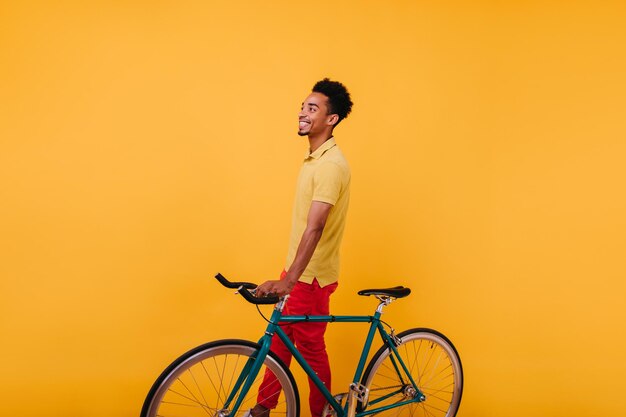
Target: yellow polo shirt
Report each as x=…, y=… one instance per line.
x=325, y=177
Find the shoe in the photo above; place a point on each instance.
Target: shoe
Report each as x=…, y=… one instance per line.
x=258, y=411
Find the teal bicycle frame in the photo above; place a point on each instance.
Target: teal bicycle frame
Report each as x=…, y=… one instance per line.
x=253, y=366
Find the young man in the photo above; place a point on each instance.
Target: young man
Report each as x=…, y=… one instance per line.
x=319, y=214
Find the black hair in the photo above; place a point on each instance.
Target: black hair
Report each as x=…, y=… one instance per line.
x=339, y=102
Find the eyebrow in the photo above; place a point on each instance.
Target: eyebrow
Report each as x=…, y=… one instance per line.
x=310, y=104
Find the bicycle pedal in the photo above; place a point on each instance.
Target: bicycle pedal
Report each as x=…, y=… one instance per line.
x=360, y=392
x=357, y=394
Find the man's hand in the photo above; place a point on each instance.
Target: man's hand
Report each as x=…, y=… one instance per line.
x=274, y=287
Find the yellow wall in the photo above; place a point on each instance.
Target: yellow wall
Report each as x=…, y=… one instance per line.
x=145, y=146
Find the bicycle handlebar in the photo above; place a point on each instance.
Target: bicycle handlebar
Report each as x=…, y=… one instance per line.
x=244, y=288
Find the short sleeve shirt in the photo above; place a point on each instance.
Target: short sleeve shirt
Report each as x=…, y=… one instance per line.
x=325, y=177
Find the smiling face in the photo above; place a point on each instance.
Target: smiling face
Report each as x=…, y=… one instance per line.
x=314, y=118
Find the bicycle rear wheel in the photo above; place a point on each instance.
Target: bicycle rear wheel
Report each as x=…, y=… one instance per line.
x=434, y=365
x=198, y=383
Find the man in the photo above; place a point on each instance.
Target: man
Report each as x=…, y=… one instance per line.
x=319, y=215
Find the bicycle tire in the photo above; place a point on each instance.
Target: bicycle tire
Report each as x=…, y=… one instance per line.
x=197, y=383
x=435, y=366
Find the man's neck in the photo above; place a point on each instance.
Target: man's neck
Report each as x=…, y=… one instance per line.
x=317, y=141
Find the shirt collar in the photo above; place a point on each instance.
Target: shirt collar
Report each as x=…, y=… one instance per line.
x=321, y=150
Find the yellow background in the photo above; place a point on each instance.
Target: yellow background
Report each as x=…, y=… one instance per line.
x=145, y=146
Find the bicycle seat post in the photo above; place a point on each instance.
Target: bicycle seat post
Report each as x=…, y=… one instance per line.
x=384, y=301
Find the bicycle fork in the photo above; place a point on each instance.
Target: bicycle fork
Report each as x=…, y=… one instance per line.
x=245, y=380
x=253, y=366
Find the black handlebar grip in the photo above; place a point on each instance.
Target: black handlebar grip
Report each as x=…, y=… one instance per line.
x=271, y=299
x=229, y=284
x=244, y=288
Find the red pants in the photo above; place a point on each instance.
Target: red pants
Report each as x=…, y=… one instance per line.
x=304, y=299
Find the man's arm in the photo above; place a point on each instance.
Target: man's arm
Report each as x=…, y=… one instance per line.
x=316, y=220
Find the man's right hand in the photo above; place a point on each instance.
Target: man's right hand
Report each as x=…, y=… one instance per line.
x=274, y=287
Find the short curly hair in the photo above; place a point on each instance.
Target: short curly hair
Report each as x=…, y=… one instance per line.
x=339, y=101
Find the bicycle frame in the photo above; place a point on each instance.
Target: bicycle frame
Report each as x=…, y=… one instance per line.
x=253, y=366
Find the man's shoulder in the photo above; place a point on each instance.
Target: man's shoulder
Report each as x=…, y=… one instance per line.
x=334, y=165
x=336, y=156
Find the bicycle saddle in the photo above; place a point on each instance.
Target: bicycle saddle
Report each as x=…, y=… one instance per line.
x=397, y=292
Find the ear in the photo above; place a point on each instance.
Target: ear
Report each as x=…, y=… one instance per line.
x=333, y=119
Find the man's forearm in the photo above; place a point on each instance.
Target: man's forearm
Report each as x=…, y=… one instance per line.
x=308, y=243
x=304, y=253
x=318, y=213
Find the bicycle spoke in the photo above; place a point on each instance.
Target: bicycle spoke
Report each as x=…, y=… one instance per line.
x=438, y=375
x=426, y=413
x=222, y=379
x=198, y=387
x=193, y=400
x=419, y=371
x=429, y=405
x=209, y=377
x=232, y=376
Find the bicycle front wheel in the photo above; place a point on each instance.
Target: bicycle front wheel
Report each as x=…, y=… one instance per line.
x=435, y=367
x=200, y=382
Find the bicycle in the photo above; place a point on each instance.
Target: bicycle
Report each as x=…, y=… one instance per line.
x=417, y=371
